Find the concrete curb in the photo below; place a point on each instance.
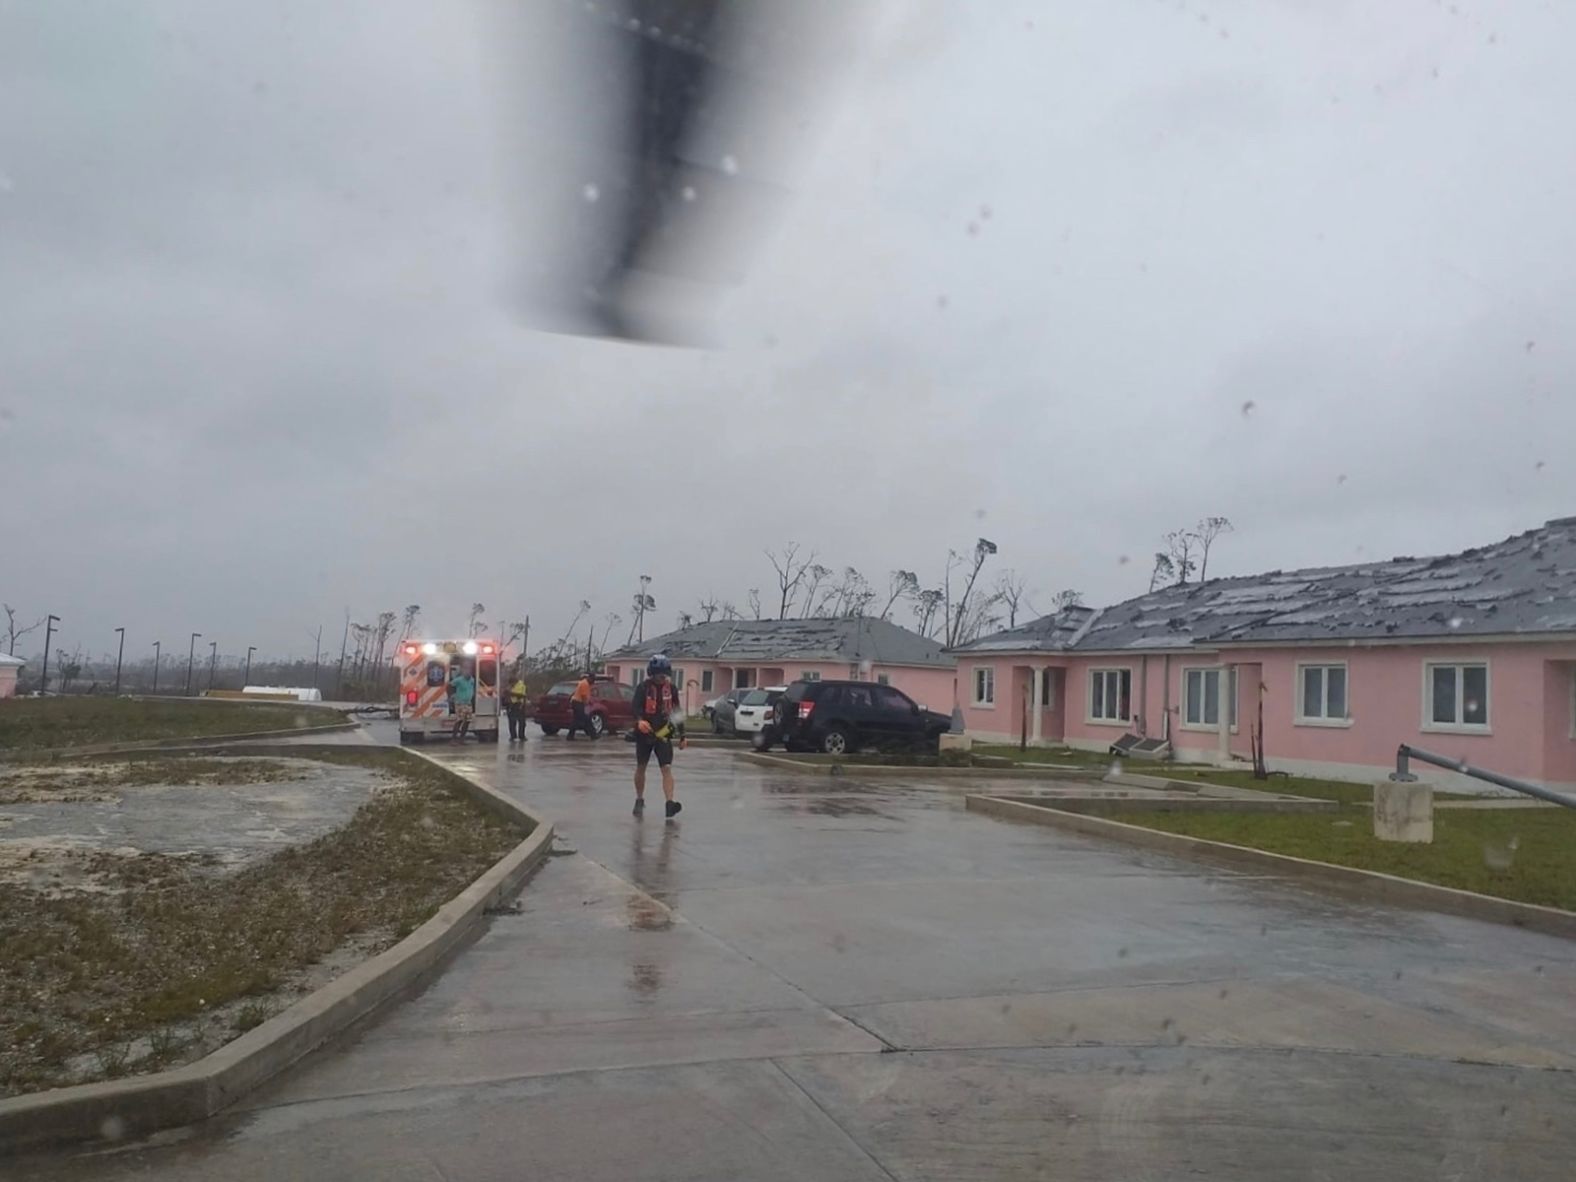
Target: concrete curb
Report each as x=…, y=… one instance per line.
x=181, y=742
x=879, y=769
x=1116, y=805
x=132, y=1108
x=1371, y=884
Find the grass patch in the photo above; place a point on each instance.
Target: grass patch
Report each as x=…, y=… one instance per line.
x=180, y=959
x=1528, y=855
x=35, y=724
x=1344, y=791
x=87, y=778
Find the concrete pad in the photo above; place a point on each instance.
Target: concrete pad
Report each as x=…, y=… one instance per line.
x=718, y=1123
x=1300, y=1014
x=1229, y=1116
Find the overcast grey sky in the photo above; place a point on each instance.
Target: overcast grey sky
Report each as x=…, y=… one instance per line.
x=1305, y=264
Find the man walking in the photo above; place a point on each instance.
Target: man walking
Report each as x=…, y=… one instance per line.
x=657, y=720
x=579, y=705
x=515, y=705
x=463, y=686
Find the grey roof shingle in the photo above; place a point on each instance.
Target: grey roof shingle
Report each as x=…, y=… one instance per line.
x=1525, y=585
x=757, y=641
x=1050, y=633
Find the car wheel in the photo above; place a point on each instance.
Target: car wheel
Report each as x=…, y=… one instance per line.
x=598, y=725
x=548, y=730
x=836, y=741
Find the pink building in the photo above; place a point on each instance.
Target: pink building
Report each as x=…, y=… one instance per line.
x=710, y=659
x=1470, y=655
x=10, y=670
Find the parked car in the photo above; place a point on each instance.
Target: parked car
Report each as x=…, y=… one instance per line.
x=756, y=709
x=722, y=711
x=611, y=707
x=839, y=717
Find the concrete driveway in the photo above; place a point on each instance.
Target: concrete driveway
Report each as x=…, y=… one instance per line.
x=808, y=978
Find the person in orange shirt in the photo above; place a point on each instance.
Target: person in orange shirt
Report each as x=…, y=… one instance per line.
x=579, y=704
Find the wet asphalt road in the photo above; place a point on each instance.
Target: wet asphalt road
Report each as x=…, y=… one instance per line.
x=805, y=978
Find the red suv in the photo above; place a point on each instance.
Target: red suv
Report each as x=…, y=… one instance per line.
x=611, y=707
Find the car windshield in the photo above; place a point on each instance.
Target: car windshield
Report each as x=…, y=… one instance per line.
x=1176, y=399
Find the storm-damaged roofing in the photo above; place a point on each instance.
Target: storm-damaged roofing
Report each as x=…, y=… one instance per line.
x=1051, y=633
x=1525, y=585
x=755, y=641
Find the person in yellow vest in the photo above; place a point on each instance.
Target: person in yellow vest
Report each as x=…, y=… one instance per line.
x=515, y=704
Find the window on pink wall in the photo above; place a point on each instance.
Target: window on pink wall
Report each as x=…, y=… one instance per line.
x=1110, y=695
x=705, y=681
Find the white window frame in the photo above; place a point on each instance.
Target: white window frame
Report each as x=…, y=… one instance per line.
x=809, y=675
x=1221, y=677
x=987, y=700
x=883, y=679
x=1458, y=728
x=1103, y=671
x=1303, y=718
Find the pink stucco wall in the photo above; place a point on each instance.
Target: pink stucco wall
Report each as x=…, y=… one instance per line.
x=1530, y=706
x=929, y=686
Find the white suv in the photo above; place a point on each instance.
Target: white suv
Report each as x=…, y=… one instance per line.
x=757, y=708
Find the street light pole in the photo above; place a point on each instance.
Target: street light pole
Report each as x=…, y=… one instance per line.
x=49, y=628
x=246, y=677
x=191, y=655
x=213, y=660
x=155, y=666
x=119, y=653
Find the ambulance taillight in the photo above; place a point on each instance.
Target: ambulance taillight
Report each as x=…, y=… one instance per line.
x=410, y=697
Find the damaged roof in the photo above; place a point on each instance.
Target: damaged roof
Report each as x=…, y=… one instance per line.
x=1525, y=585
x=1052, y=633
x=755, y=641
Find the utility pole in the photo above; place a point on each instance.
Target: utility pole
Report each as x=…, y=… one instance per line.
x=213, y=660
x=121, y=652
x=49, y=628
x=191, y=655
x=155, y=666
x=247, y=676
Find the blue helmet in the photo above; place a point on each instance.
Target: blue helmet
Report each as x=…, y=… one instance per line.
x=659, y=664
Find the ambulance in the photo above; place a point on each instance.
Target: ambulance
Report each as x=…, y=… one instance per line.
x=427, y=670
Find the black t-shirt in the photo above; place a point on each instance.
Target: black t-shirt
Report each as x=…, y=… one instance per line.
x=656, y=701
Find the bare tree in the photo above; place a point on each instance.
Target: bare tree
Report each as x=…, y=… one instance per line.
x=585, y=606
x=729, y=612
x=708, y=608
x=610, y=620
x=407, y=625
x=1206, y=532
x=983, y=616
x=753, y=599
x=12, y=632
x=1164, y=570
x=815, y=574
x=1181, y=544
x=1063, y=600
x=983, y=549
x=476, y=614
x=790, y=573
x=1010, y=592
x=926, y=603
x=853, y=594
x=903, y=584
x=685, y=619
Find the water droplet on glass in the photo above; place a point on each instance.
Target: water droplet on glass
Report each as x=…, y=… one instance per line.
x=113, y=1128
x=590, y=192
x=1456, y=621
x=1530, y=344
x=632, y=25
x=1225, y=993
x=1248, y=407
x=941, y=302
x=973, y=229
x=1538, y=467
x=730, y=165
x=984, y=213
x=1498, y=857
x=1121, y=953
x=1116, y=767
x=688, y=193
x=1122, y=560
x=1341, y=479
x=7, y=185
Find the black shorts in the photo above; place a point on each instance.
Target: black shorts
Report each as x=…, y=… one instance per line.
x=646, y=745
